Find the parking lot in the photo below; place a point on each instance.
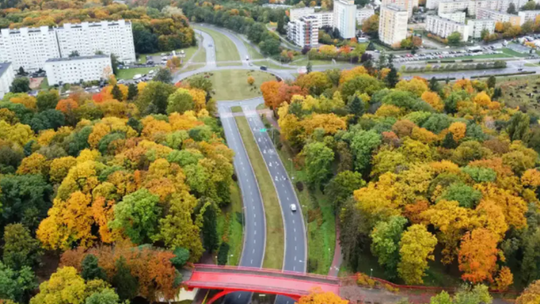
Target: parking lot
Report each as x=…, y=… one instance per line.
x=487, y=50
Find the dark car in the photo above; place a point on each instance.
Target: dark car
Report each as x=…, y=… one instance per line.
x=264, y=68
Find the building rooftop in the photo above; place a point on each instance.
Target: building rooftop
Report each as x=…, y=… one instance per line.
x=76, y=58
x=445, y=19
x=395, y=8
x=3, y=67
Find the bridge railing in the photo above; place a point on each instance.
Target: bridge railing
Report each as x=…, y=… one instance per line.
x=265, y=270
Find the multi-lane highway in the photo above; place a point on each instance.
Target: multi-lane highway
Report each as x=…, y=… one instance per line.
x=254, y=218
x=208, y=44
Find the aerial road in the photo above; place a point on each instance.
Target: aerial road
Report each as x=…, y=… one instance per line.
x=295, y=235
x=253, y=216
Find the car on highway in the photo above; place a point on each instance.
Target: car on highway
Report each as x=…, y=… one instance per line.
x=293, y=207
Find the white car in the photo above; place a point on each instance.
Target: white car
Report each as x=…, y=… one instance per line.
x=293, y=207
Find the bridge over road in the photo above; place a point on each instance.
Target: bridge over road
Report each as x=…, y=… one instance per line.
x=233, y=279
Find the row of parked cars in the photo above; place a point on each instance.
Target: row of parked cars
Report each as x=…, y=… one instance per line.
x=442, y=55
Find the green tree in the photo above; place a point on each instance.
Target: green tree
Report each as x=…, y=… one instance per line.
x=16, y=285
x=491, y=82
x=163, y=75
x=357, y=108
x=360, y=84
x=47, y=100
x=434, y=85
x=416, y=247
x=137, y=216
x=125, y=283
x=511, y=9
x=116, y=93
x=318, y=162
x=362, y=144
x=392, y=78
x=74, y=54
x=181, y=256
x=154, y=98
x=25, y=199
x=385, y=239
x=518, y=127
x=114, y=63
x=132, y=91
x=280, y=26
x=270, y=46
x=465, y=195
x=484, y=35
x=20, y=85
x=454, y=39
x=209, y=225
x=20, y=248
x=180, y=101
x=342, y=186
x=223, y=254
x=91, y=269
x=202, y=83
x=309, y=67
x=472, y=295
x=105, y=296
x=529, y=6
x=441, y=298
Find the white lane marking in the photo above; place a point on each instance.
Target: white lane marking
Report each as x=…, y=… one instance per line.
x=270, y=164
x=293, y=221
x=295, y=258
x=288, y=198
x=255, y=232
x=254, y=223
x=294, y=229
x=294, y=268
x=254, y=241
x=251, y=261
x=253, y=251
x=254, y=215
x=276, y=178
x=295, y=239
x=239, y=296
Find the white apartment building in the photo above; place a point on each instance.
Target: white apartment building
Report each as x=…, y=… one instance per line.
x=75, y=69
x=392, y=24
x=528, y=15
x=28, y=47
x=6, y=78
x=504, y=4
x=444, y=27
x=407, y=5
x=362, y=14
x=456, y=17
x=304, y=31
x=452, y=6
x=483, y=13
x=476, y=26
x=324, y=18
x=109, y=37
x=31, y=47
x=345, y=18
x=297, y=13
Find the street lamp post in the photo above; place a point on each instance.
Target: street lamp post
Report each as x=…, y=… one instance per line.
x=371, y=273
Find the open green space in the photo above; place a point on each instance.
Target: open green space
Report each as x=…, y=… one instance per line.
x=231, y=64
x=236, y=109
x=232, y=84
x=269, y=64
x=304, y=62
x=225, y=48
x=485, y=56
x=513, y=53
x=200, y=56
x=230, y=225
x=44, y=85
x=319, y=215
x=253, y=53
x=273, y=257
x=129, y=73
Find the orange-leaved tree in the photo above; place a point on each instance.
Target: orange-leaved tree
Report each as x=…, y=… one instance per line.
x=478, y=255
x=317, y=296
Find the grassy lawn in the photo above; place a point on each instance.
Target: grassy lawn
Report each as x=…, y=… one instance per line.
x=273, y=257
x=200, y=56
x=191, y=67
x=225, y=48
x=142, y=59
x=44, y=84
x=486, y=56
x=230, y=225
x=232, y=84
x=229, y=64
x=513, y=53
x=236, y=109
x=319, y=215
x=253, y=54
x=304, y=62
x=261, y=107
x=129, y=73
x=269, y=64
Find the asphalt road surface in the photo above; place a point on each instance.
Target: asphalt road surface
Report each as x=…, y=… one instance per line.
x=253, y=217
x=209, y=46
x=295, y=234
x=240, y=46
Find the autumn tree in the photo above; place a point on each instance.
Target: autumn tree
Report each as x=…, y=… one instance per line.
x=385, y=239
x=250, y=80
x=478, y=255
x=531, y=294
x=342, y=186
x=416, y=247
x=317, y=296
x=65, y=286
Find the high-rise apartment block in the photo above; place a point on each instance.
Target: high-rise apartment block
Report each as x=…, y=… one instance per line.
x=483, y=13
x=528, y=16
x=304, y=31
x=297, y=13
x=76, y=69
x=407, y=5
x=456, y=17
x=345, y=18
x=443, y=27
x=392, y=24
x=325, y=18
x=31, y=47
x=476, y=26
x=6, y=78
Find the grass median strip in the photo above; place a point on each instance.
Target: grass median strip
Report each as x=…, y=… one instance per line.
x=273, y=257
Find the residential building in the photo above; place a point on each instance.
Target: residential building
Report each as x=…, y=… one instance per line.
x=444, y=27
x=364, y=13
x=504, y=4
x=392, y=24
x=31, y=47
x=483, y=13
x=457, y=17
x=6, y=78
x=476, y=26
x=528, y=15
x=109, y=37
x=474, y=5
x=28, y=48
x=407, y=5
x=345, y=18
x=304, y=31
x=75, y=69
x=325, y=18
x=453, y=6
x=297, y=13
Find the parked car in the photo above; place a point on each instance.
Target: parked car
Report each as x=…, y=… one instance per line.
x=264, y=68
